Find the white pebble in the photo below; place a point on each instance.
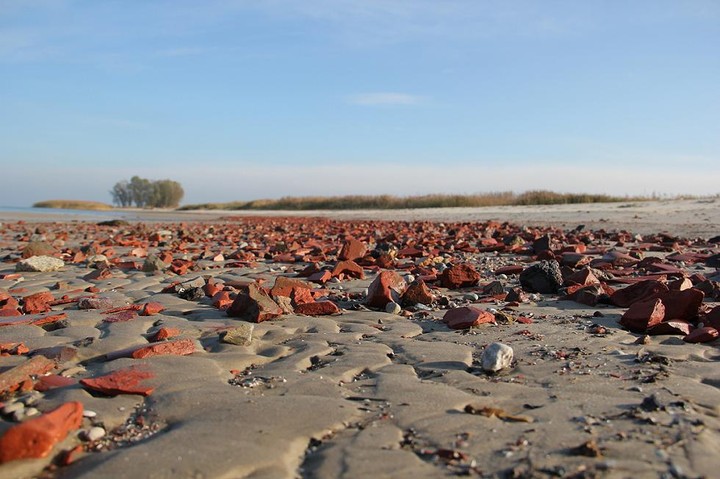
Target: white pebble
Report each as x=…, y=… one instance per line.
x=89, y=413
x=497, y=356
x=31, y=411
x=393, y=308
x=471, y=297
x=13, y=407
x=95, y=433
x=409, y=278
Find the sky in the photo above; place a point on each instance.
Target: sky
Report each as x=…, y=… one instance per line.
x=248, y=99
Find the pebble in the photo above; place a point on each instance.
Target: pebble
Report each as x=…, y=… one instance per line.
x=94, y=433
x=13, y=407
x=497, y=356
x=89, y=413
x=31, y=411
x=393, y=308
x=471, y=297
x=409, y=278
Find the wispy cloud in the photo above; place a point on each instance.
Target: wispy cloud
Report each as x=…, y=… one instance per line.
x=385, y=99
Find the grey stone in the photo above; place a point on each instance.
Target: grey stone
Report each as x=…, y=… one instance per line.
x=543, y=277
x=240, y=335
x=393, y=308
x=153, y=263
x=40, y=264
x=497, y=356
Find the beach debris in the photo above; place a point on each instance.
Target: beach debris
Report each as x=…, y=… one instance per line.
x=239, y=336
x=319, y=308
x=178, y=347
x=705, y=334
x=499, y=413
x=121, y=381
x=20, y=376
x=463, y=275
x=352, y=249
x=37, y=303
x=643, y=315
x=544, y=278
x=36, y=437
x=467, y=317
x=40, y=264
x=496, y=357
x=38, y=248
x=393, y=308
x=254, y=305
x=417, y=292
x=387, y=287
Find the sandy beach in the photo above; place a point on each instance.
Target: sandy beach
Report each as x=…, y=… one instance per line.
x=356, y=344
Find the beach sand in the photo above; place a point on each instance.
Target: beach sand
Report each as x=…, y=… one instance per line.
x=361, y=392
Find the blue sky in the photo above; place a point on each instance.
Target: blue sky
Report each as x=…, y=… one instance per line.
x=245, y=99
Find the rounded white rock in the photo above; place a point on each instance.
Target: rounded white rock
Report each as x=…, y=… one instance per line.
x=95, y=433
x=393, y=308
x=497, y=356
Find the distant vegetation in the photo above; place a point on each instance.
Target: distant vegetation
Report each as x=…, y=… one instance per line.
x=73, y=205
x=144, y=193
x=386, y=202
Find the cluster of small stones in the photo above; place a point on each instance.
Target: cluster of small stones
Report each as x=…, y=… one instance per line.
x=461, y=276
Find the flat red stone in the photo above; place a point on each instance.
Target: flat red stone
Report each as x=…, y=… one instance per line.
x=702, y=335
x=641, y=291
x=151, y=309
x=180, y=347
x=53, y=381
x=386, y=287
x=348, y=268
x=35, y=438
x=120, y=317
x=38, y=302
x=461, y=275
x=683, y=304
x=467, y=317
x=12, y=378
x=122, y=381
x=352, y=249
x=165, y=333
x=643, y=315
x=319, y=308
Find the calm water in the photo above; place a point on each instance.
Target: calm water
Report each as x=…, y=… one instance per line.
x=8, y=212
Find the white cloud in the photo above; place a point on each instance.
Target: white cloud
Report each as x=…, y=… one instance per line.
x=385, y=98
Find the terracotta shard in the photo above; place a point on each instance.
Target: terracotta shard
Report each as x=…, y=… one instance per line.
x=462, y=275
x=352, y=249
x=417, y=293
x=11, y=379
x=386, y=287
x=643, y=315
x=705, y=334
x=467, y=317
x=319, y=308
x=348, y=268
x=179, y=347
x=255, y=306
x=35, y=438
x=641, y=291
x=284, y=286
x=122, y=381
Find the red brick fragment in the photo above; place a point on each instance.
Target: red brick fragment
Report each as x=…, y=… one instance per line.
x=417, y=293
x=151, y=309
x=352, y=249
x=320, y=277
x=35, y=438
x=179, y=347
x=511, y=269
x=641, y=291
x=683, y=304
x=165, y=333
x=38, y=302
x=284, y=286
x=705, y=334
x=122, y=381
x=386, y=287
x=53, y=381
x=643, y=315
x=462, y=275
x=221, y=300
x=13, y=349
x=255, y=305
x=211, y=288
x=301, y=296
x=673, y=326
x=348, y=268
x=13, y=378
x=319, y=308
x=467, y=317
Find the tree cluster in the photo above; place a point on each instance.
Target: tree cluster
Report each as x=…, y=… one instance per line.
x=144, y=193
